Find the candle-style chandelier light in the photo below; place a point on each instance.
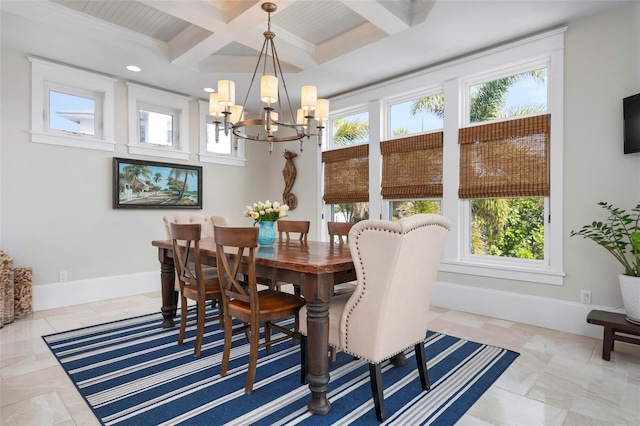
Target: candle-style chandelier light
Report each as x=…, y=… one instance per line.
x=229, y=116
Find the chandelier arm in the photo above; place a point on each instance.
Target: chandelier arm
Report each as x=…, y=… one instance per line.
x=255, y=71
x=284, y=83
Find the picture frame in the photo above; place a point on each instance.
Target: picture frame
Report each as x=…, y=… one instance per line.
x=141, y=184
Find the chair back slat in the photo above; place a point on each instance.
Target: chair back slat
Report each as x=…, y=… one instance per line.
x=293, y=226
x=339, y=231
x=187, y=255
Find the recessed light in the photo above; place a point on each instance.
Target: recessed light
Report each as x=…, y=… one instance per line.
x=209, y=90
x=134, y=68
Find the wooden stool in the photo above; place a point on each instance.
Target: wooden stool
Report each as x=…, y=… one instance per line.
x=614, y=323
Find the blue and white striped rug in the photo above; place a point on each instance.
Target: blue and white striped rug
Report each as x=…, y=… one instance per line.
x=132, y=372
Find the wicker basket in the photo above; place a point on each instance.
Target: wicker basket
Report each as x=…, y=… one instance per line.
x=6, y=289
x=23, y=300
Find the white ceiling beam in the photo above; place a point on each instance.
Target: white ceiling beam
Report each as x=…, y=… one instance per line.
x=378, y=15
x=353, y=39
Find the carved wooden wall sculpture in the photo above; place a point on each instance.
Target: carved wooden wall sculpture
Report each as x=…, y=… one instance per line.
x=289, y=172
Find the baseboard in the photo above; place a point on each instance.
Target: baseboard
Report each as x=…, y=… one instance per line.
x=57, y=295
x=561, y=315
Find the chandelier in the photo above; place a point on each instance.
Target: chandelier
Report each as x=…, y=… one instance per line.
x=228, y=115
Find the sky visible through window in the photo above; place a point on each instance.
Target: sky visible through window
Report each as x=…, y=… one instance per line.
x=65, y=103
x=525, y=91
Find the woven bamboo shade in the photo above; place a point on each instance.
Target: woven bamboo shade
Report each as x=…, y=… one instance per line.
x=506, y=159
x=412, y=167
x=346, y=175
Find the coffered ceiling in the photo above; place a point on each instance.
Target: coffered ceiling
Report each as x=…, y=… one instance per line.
x=337, y=45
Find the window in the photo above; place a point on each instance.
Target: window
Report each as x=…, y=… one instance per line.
x=349, y=129
x=520, y=94
x=504, y=174
x=158, y=123
x=71, y=107
x=225, y=150
x=415, y=115
x=72, y=113
x=156, y=127
x=346, y=171
x=492, y=88
x=406, y=208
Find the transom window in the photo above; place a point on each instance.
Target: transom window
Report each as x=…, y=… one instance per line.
x=156, y=127
x=415, y=115
x=352, y=128
x=226, y=150
x=72, y=113
x=158, y=123
x=71, y=107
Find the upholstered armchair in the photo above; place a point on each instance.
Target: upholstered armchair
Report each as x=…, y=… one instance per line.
x=396, y=265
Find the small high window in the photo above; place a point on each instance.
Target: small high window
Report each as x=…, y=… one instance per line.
x=158, y=123
x=224, y=150
x=71, y=107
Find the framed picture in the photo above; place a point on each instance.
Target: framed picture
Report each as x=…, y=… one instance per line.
x=139, y=184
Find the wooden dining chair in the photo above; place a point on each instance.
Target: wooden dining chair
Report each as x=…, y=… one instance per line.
x=243, y=301
x=301, y=227
x=285, y=229
x=396, y=264
x=206, y=231
x=194, y=282
x=339, y=233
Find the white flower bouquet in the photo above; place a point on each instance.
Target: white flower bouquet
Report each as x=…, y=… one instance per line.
x=266, y=212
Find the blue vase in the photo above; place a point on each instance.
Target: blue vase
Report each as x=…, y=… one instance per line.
x=266, y=234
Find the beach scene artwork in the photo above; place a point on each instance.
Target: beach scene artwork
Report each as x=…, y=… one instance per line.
x=146, y=184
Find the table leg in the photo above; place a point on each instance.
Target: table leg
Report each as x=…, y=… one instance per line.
x=167, y=278
x=318, y=343
x=607, y=343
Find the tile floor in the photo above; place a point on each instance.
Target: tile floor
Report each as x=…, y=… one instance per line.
x=559, y=378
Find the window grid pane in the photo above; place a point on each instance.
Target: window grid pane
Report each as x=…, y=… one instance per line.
x=420, y=115
x=156, y=128
x=350, y=130
x=223, y=145
x=71, y=113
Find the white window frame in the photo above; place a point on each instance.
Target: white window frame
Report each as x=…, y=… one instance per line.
x=237, y=156
x=498, y=264
x=47, y=76
x=142, y=97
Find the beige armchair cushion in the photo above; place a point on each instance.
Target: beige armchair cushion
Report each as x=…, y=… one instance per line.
x=396, y=265
x=207, y=222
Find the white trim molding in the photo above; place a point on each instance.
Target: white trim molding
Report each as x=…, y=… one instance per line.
x=57, y=295
x=555, y=314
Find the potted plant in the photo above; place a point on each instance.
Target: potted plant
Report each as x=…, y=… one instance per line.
x=619, y=234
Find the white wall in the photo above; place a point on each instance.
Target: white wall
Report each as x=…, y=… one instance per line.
x=56, y=202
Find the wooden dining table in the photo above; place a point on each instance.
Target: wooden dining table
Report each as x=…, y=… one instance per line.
x=315, y=267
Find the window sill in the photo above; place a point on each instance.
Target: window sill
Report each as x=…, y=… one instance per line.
x=540, y=276
x=75, y=141
x=220, y=159
x=158, y=152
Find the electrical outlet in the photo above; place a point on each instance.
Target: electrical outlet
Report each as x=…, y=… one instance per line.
x=585, y=297
x=62, y=276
